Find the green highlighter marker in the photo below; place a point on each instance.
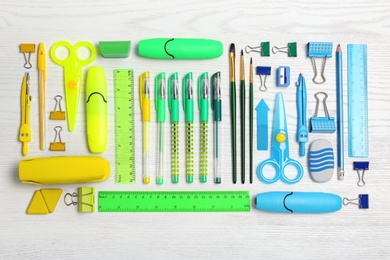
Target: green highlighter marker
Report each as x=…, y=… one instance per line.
x=180, y=48
x=173, y=105
x=188, y=106
x=203, y=103
x=161, y=103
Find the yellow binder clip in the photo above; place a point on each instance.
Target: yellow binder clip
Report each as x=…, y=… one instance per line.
x=85, y=199
x=57, y=114
x=27, y=49
x=57, y=145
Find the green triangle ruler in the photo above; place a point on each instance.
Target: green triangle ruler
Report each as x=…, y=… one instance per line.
x=174, y=201
x=357, y=100
x=124, y=126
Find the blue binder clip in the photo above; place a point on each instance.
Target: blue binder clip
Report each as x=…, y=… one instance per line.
x=362, y=201
x=283, y=76
x=266, y=71
x=319, y=50
x=360, y=167
x=322, y=124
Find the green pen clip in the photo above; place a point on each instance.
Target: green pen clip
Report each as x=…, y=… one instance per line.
x=203, y=105
x=161, y=96
x=188, y=107
x=203, y=97
x=173, y=105
x=173, y=97
x=161, y=102
x=216, y=105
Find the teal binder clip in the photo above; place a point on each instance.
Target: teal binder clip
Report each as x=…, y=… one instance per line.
x=263, y=49
x=319, y=50
x=322, y=124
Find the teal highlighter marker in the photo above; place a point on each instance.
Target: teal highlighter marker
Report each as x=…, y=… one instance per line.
x=203, y=105
x=173, y=105
x=216, y=105
x=161, y=103
x=188, y=106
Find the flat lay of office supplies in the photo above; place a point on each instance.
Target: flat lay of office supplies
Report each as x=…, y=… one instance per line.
x=136, y=41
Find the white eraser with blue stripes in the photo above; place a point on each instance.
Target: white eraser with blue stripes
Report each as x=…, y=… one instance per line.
x=321, y=160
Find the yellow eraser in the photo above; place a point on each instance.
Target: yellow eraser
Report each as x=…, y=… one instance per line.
x=51, y=198
x=37, y=204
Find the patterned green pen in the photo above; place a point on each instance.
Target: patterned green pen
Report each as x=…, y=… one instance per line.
x=188, y=106
x=173, y=105
x=203, y=103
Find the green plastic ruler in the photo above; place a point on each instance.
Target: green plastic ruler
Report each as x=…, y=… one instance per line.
x=357, y=100
x=174, y=201
x=124, y=126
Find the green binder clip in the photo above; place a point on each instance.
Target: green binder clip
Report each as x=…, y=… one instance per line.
x=290, y=49
x=263, y=49
x=115, y=49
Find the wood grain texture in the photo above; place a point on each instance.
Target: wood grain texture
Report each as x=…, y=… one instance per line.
x=348, y=234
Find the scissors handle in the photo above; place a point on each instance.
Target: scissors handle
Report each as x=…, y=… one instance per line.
x=279, y=171
x=273, y=163
x=299, y=168
x=72, y=57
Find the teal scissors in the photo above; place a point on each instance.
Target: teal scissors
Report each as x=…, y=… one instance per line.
x=279, y=149
x=72, y=65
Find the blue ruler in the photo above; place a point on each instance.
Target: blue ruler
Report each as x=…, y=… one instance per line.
x=357, y=101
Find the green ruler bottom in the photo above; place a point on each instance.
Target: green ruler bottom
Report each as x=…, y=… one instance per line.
x=174, y=201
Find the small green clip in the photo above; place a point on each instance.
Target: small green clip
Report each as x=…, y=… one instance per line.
x=203, y=97
x=173, y=97
x=161, y=96
x=216, y=103
x=188, y=97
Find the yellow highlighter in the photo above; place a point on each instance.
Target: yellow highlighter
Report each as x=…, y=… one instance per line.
x=25, y=100
x=144, y=100
x=63, y=170
x=97, y=110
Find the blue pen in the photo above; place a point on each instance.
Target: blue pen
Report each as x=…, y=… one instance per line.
x=302, y=133
x=340, y=114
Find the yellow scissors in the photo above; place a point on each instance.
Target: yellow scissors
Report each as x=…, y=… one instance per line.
x=279, y=149
x=72, y=65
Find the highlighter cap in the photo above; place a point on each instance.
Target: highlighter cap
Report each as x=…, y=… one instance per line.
x=180, y=48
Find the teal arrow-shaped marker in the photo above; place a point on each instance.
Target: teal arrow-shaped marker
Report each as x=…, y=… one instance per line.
x=262, y=125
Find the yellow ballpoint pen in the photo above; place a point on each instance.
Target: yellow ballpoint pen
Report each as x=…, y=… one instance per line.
x=25, y=99
x=144, y=92
x=42, y=95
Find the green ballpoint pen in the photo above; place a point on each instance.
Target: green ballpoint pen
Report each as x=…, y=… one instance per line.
x=173, y=105
x=216, y=105
x=203, y=104
x=161, y=100
x=188, y=106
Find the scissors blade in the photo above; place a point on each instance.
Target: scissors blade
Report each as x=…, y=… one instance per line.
x=280, y=122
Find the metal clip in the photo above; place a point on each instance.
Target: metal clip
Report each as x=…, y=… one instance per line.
x=362, y=201
x=57, y=146
x=322, y=124
x=57, y=114
x=85, y=199
x=290, y=49
x=319, y=50
x=264, y=49
x=266, y=71
x=360, y=167
x=27, y=49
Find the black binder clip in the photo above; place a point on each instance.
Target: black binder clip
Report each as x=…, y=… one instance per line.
x=362, y=201
x=360, y=167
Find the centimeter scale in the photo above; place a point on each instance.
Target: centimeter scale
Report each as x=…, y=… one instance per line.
x=174, y=201
x=124, y=126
